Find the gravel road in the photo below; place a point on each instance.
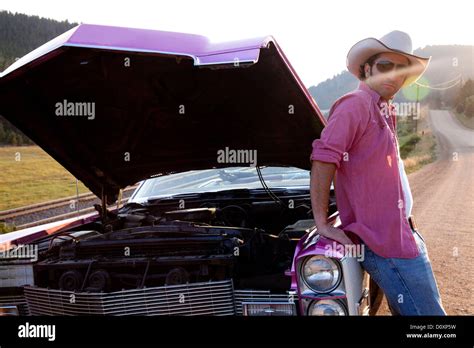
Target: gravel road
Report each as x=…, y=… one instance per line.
x=443, y=194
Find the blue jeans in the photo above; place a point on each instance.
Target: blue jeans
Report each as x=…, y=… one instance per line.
x=408, y=284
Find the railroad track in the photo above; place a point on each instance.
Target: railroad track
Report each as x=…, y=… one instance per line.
x=55, y=210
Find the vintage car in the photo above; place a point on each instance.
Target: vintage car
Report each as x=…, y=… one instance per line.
x=219, y=136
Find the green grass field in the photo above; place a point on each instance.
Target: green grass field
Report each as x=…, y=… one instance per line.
x=29, y=175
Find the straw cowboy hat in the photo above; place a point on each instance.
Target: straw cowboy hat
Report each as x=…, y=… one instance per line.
x=394, y=42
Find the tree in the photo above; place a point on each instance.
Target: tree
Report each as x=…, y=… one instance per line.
x=464, y=98
x=469, y=106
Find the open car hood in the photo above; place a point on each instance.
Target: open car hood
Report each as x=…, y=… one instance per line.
x=162, y=102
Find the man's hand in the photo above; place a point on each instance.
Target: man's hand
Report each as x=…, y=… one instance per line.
x=334, y=233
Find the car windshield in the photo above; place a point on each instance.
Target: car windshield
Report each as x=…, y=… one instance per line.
x=213, y=180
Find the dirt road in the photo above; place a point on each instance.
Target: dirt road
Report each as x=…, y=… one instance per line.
x=443, y=194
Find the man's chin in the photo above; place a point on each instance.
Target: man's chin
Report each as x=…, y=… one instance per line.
x=389, y=91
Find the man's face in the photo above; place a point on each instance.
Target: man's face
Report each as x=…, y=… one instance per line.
x=388, y=73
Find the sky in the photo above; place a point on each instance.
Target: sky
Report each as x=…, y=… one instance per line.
x=315, y=35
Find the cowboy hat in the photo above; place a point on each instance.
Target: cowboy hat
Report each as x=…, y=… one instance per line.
x=393, y=42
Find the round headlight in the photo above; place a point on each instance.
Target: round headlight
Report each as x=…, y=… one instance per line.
x=321, y=274
x=326, y=307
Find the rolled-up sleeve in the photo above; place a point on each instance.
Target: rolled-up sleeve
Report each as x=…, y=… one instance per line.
x=346, y=123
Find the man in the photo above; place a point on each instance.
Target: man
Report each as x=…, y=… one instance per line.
x=359, y=147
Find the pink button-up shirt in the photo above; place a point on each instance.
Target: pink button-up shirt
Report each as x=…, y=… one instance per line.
x=369, y=191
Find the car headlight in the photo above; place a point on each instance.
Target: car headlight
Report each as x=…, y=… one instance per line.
x=321, y=274
x=326, y=307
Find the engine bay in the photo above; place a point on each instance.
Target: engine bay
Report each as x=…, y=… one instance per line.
x=215, y=236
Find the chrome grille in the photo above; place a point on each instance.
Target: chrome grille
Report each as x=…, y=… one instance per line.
x=206, y=298
x=258, y=296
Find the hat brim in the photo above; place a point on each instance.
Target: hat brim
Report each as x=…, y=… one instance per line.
x=366, y=48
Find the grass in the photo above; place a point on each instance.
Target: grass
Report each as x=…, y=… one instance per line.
x=416, y=161
x=416, y=148
x=29, y=175
x=467, y=122
x=5, y=228
x=408, y=143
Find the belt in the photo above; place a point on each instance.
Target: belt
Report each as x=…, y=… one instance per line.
x=411, y=221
